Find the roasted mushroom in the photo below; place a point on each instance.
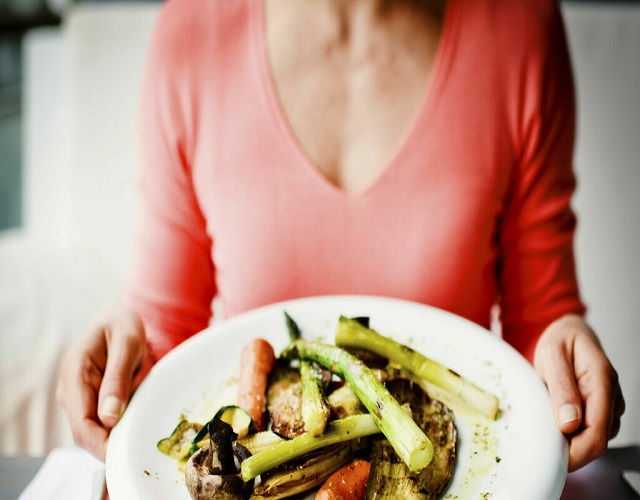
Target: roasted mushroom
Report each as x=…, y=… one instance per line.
x=389, y=477
x=214, y=471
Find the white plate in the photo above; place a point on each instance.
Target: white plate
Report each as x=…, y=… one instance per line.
x=520, y=455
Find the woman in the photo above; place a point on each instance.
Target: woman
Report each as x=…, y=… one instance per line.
x=401, y=148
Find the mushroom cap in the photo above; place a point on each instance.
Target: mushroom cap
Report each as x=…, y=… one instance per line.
x=203, y=485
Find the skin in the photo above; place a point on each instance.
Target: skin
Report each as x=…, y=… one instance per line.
x=350, y=76
x=100, y=374
x=349, y=93
x=583, y=386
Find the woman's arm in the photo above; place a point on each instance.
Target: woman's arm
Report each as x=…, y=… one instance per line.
x=541, y=307
x=172, y=281
x=537, y=271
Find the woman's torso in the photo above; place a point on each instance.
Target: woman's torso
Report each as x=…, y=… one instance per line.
x=441, y=199
x=421, y=223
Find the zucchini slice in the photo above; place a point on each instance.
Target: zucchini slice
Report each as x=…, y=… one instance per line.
x=178, y=444
x=236, y=417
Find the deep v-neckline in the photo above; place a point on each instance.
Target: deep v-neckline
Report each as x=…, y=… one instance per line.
x=411, y=133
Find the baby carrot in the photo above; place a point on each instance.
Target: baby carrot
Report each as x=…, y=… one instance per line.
x=349, y=482
x=256, y=361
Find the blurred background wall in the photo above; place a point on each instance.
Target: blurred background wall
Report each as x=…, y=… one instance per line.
x=17, y=17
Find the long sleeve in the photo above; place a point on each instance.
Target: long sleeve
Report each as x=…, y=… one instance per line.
x=172, y=283
x=537, y=270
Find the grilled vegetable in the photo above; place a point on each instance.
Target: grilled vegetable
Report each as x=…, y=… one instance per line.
x=348, y=482
x=308, y=471
x=213, y=471
x=236, y=417
x=284, y=402
x=411, y=444
x=315, y=410
x=337, y=431
x=344, y=402
x=257, y=361
x=292, y=327
x=260, y=441
x=369, y=358
x=351, y=333
x=239, y=419
x=178, y=445
x=389, y=477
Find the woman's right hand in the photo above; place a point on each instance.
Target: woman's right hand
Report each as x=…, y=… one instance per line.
x=99, y=375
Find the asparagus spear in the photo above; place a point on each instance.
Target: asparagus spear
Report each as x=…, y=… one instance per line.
x=350, y=333
x=336, y=431
x=315, y=410
x=407, y=439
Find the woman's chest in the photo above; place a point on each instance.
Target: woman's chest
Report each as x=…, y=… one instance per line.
x=349, y=90
x=424, y=230
x=349, y=124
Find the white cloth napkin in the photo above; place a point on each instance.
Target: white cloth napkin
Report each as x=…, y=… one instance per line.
x=67, y=473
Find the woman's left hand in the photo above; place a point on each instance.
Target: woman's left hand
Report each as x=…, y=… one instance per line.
x=583, y=385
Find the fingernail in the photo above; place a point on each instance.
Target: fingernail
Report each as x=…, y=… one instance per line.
x=568, y=413
x=112, y=407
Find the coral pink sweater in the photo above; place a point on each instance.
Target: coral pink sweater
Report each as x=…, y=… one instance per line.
x=473, y=208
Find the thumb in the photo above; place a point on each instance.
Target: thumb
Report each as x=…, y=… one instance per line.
x=557, y=371
x=124, y=355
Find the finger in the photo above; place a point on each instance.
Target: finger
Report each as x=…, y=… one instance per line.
x=598, y=386
x=125, y=354
x=591, y=441
x=618, y=411
x=92, y=437
x=557, y=371
x=147, y=363
x=615, y=428
x=77, y=393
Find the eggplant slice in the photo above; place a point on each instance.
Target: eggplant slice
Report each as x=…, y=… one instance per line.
x=284, y=402
x=369, y=358
x=389, y=476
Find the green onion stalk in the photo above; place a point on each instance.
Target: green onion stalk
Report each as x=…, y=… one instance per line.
x=351, y=333
x=315, y=409
x=337, y=431
x=408, y=440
